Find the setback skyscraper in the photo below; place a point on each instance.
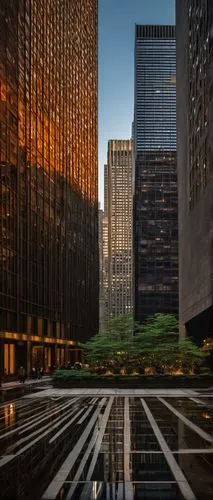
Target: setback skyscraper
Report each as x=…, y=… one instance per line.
x=195, y=160
x=101, y=267
x=118, y=211
x=155, y=219
x=48, y=180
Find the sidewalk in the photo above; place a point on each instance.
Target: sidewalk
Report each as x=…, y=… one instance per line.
x=16, y=383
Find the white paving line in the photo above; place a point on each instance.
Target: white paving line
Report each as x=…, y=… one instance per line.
x=128, y=488
x=4, y=459
x=82, y=464
x=204, y=395
x=102, y=428
x=194, y=450
x=135, y=482
x=66, y=426
x=181, y=450
x=188, y=422
x=116, y=392
x=47, y=414
x=24, y=413
x=87, y=412
x=58, y=421
x=27, y=425
x=176, y=471
x=91, y=405
x=85, y=494
x=199, y=401
x=59, y=479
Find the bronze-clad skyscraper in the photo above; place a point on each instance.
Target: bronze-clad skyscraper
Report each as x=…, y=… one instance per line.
x=48, y=179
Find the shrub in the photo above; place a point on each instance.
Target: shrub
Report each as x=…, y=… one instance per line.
x=70, y=374
x=66, y=375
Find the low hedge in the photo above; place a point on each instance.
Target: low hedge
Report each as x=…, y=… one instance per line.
x=69, y=375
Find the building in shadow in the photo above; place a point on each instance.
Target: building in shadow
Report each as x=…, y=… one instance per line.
x=195, y=160
x=155, y=211
x=48, y=181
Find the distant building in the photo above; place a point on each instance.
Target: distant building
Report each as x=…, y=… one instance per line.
x=48, y=181
x=101, y=269
x=195, y=160
x=155, y=214
x=118, y=213
x=103, y=266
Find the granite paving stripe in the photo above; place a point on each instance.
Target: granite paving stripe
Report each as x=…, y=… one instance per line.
x=101, y=430
x=66, y=426
x=75, y=481
x=56, y=484
x=176, y=471
x=188, y=422
x=20, y=430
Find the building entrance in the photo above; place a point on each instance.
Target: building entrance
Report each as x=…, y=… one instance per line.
x=41, y=358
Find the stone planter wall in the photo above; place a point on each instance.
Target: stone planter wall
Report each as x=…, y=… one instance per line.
x=136, y=383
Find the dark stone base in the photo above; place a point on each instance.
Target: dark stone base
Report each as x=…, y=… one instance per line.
x=18, y=391
x=162, y=382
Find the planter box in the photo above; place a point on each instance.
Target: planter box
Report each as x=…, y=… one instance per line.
x=147, y=382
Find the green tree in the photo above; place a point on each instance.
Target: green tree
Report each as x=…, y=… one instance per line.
x=157, y=344
x=121, y=328
x=153, y=344
x=114, y=345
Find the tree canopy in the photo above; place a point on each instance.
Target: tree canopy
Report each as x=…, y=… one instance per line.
x=152, y=344
x=157, y=343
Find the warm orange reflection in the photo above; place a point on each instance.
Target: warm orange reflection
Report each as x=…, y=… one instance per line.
x=35, y=338
x=206, y=415
x=48, y=169
x=9, y=415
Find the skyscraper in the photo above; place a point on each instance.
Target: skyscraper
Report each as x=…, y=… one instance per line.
x=155, y=226
x=105, y=290
x=194, y=160
x=101, y=268
x=48, y=179
x=118, y=210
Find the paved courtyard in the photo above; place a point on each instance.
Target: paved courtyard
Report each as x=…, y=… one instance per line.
x=107, y=444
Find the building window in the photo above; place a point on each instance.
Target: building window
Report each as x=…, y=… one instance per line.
x=9, y=359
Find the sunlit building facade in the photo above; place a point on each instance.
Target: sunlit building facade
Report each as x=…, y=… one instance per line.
x=48, y=180
x=155, y=213
x=101, y=267
x=105, y=289
x=118, y=209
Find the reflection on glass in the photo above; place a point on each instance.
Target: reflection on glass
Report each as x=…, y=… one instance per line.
x=9, y=415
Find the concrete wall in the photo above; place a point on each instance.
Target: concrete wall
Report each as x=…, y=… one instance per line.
x=196, y=226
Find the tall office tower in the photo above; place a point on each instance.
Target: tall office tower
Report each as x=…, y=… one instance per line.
x=118, y=210
x=155, y=195
x=48, y=179
x=101, y=267
x=105, y=295
x=195, y=160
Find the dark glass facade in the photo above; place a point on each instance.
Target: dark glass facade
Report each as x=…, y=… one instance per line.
x=48, y=178
x=155, y=219
x=198, y=54
x=155, y=89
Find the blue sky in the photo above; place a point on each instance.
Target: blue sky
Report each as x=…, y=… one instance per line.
x=117, y=19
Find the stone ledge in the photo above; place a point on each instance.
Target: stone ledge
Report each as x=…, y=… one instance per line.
x=132, y=383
